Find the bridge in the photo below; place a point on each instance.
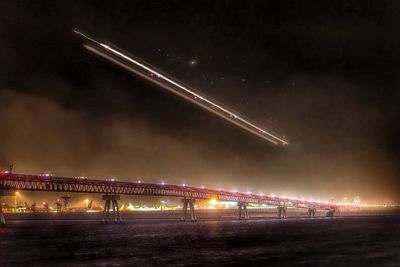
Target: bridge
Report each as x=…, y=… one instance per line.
x=112, y=190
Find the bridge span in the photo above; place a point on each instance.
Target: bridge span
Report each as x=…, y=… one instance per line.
x=112, y=189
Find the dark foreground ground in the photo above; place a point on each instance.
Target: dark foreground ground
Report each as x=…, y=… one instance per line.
x=348, y=241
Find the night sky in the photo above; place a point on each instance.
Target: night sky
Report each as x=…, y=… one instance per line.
x=324, y=74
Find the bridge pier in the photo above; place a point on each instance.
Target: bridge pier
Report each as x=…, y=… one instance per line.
x=331, y=213
x=2, y=219
x=242, y=211
x=188, y=202
x=281, y=211
x=111, y=201
x=311, y=211
x=66, y=200
x=59, y=206
x=4, y=192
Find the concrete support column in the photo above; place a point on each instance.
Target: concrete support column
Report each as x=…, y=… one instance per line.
x=59, y=206
x=111, y=201
x=311, y=211
x=281, y=211
x=66, y=200
x=2, y=219
x=188, y=202
x=242, y=211
x=331, y=212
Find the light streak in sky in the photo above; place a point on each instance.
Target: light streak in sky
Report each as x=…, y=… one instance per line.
x=162, y=80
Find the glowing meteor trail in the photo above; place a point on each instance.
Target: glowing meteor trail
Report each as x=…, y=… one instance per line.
x=144, y=70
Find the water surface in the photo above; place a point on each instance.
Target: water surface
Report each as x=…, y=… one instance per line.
x=362, y=241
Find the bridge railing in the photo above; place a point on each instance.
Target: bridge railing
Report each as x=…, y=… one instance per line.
x=84, y=185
